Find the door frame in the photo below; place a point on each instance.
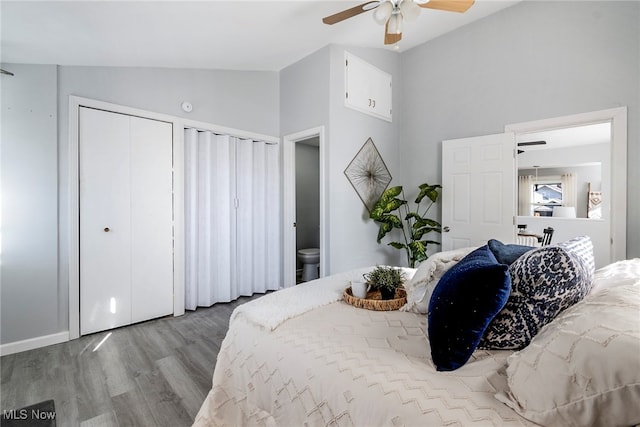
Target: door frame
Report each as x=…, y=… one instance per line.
x=289, y=199
x=618, y=118
x=75, y=103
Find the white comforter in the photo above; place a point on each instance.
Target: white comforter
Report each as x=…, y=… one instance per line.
x=303, y=356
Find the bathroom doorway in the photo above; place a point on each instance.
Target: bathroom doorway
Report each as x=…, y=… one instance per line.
x=307, y=161
x=304, y=229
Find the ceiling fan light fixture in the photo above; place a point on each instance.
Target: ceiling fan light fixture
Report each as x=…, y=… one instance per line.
x=383, y=12
x=409, y=10
x=421, y=1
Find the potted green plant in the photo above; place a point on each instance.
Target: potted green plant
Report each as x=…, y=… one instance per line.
x=385, y=279
x=391, y=212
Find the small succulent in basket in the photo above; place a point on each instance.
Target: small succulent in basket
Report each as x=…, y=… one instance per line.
x=385, y=279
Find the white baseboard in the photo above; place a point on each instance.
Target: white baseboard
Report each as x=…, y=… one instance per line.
x=31, y=343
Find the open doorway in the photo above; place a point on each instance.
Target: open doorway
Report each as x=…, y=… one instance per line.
x=305, y=243
x=576, y=145
x=307, y=189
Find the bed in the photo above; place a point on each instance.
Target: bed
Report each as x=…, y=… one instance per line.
x=302, y=356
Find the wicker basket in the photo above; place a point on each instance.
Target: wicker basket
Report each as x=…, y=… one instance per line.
x=374, y=302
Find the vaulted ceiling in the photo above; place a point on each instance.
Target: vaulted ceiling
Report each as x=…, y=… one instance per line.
x=237, y=35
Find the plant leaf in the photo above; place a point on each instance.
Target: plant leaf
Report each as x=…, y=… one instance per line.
x=417, y=234
x=397, y=245
x=394, y=220
x=418, y=251
x=387, y=202
x=385, y=227
x=412, y=215
x=426, y=222
x=430, y=191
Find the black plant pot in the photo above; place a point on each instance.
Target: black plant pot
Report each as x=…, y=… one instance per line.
x=387, y=293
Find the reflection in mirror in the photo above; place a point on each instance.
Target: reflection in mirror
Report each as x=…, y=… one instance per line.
x=559, y=192
x=560, y=171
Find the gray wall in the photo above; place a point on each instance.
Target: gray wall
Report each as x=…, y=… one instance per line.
x=304, y=93
x=532, y=61
x=312, y=94
x=353, y=234
x=29, y=184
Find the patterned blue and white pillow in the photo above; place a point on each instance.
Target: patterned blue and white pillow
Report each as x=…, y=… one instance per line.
x=582, y=246
x=544, y=282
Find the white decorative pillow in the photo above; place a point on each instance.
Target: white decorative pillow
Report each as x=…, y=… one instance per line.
x=426, y=277
x=617, y=274
x=582, y=369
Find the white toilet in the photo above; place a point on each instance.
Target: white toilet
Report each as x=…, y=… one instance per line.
x=310, y=259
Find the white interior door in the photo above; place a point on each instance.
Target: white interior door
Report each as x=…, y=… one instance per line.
x=151, y=219
x=478, y=190
x=126, y=230
x=105, y=226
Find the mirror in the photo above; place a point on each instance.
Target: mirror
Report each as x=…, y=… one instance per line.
x=560, y=171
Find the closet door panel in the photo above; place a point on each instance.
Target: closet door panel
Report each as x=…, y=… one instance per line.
x=151, y=219
x=215, y=203
x=245, y=214
x=272, y=218
x=224, y=184
x=260, y=216
x=105, y=227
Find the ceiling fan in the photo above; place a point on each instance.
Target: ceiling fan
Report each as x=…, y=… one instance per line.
x=526, y=144
x=392, y=13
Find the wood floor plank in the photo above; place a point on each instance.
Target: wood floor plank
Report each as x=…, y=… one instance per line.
x=113, y=367
x=165, y=405
x=103, y=420
x=92, y=396
x=131, y=409
x=7, y=364
x=182, y=384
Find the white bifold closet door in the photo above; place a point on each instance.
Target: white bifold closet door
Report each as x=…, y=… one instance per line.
x=126, y=224
x=232, y=217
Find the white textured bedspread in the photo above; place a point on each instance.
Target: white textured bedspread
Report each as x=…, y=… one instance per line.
x=343, y=366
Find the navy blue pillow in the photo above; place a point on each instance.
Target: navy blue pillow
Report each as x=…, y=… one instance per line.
x=507, y=254
x=465, y=300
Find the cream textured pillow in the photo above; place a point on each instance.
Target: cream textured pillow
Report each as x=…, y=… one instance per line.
x=426, y=277
x=582, y=369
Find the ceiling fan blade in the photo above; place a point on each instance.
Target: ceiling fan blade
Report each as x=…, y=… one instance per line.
x=524, y=144
x=391, y=38
x=348, y=13
x=449, y=5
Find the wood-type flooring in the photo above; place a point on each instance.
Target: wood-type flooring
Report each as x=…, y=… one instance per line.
x=155, y=373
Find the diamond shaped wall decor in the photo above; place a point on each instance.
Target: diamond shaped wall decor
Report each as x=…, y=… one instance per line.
x=368, y=174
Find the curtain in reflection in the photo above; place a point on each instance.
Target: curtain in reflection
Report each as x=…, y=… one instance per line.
x=525, y=195
x=569, y=189
x=232, y=218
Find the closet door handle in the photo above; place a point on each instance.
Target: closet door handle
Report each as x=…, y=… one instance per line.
x=107, y=229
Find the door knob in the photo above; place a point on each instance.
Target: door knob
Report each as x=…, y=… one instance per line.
x=107, y=229
x=446, y=229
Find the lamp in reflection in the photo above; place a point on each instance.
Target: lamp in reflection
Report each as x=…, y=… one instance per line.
x=564, y=212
